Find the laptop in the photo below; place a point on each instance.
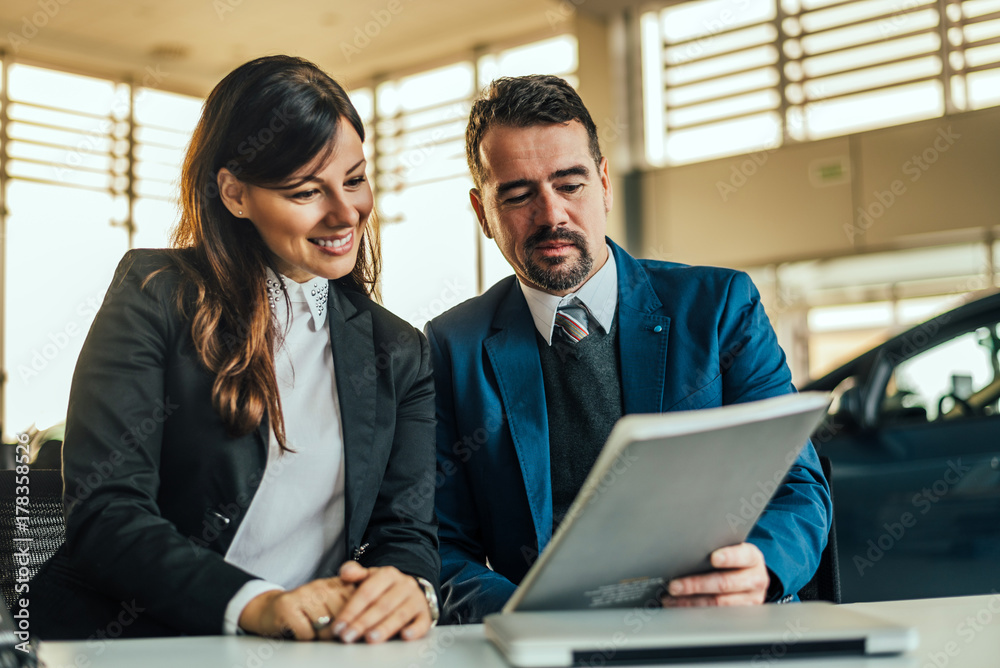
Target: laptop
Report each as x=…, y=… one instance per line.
x=755, y=635
x=666, y=491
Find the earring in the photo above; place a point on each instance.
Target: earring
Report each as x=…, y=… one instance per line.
x=241, y=213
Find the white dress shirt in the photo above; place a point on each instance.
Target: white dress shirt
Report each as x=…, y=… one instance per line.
x=599, y=295
x=296, y=517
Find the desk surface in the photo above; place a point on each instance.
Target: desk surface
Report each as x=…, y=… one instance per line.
x=954, y=633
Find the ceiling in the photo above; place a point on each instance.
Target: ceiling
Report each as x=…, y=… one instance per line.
x=191, y=44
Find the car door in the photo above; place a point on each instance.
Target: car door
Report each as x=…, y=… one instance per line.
x=918, y=493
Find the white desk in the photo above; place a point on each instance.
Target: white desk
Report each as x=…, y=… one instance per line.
x=954, y=633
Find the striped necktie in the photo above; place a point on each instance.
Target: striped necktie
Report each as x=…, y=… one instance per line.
x=572, y=320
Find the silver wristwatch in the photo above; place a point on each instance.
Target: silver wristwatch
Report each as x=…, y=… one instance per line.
x=432, y=598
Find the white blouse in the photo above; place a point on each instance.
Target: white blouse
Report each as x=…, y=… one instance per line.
x=296, y=517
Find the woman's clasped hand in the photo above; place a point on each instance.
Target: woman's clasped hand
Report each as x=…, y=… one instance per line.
x=373, y=604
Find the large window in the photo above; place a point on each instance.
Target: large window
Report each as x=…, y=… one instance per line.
x=90, y=169
x=954, y=380
x=722, y=77
x=428, y=239
x=434, y=254
x=827, y=312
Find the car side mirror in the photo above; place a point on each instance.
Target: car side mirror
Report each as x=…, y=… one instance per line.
x=850, y=412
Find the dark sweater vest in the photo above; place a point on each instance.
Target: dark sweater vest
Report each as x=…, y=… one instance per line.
x=583, y=398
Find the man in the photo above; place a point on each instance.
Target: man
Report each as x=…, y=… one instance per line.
x=532, y=375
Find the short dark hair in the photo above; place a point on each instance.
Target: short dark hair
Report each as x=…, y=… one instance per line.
x=536, y=99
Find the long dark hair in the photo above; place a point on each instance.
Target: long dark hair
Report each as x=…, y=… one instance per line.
x=263, y=122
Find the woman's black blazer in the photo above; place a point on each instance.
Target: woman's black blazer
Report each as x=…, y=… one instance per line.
x=155, y=489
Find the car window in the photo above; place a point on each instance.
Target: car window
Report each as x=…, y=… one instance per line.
x=837, y=394
x=956, y=379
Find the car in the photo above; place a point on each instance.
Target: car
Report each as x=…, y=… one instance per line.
x=913, y=438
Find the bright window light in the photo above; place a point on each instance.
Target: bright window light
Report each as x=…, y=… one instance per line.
x=762, y=78
x=984, y=88
x=850, y=316
x=983, y=55
x=80, y=94
x=867, y=33
x=973, y=8
x=849, y=82
x=59, y=242
x=363, y=102
x=429, y=261
x=982, y=31
x=793, y=6
x=928, y=375
x=705, y=48
x=730, y=106
x=853, y=12
x=914, y=311
x=848, y=66
x=872, y=54
x=754, y=133
x=692, y=20
x=868, y=111
x=683, y=74
x=551, y=56
x=652, y=89
x=445, y=84
x=68, y=202
x=164, y=124
x=167, y=111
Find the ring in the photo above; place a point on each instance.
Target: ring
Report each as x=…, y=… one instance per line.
x=321, y=623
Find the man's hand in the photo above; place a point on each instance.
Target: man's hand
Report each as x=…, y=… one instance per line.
x=385, y=603
x=741, y=580
x=295, y=612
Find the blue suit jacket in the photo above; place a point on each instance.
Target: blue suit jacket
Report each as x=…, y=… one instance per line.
x=689, y=337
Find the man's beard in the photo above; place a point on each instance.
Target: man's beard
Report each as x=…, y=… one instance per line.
x=560, y=273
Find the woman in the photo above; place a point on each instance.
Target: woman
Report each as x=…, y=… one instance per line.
x=249, y=435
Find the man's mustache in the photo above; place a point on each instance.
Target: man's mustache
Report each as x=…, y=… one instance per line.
x=546, y=234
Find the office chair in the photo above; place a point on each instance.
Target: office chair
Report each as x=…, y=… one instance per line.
x=44, y=524
x=825, y=584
